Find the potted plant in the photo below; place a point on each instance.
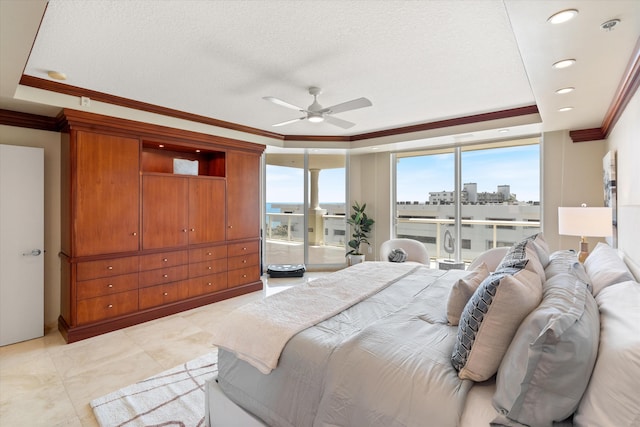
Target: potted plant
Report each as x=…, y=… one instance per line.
x=361, y=225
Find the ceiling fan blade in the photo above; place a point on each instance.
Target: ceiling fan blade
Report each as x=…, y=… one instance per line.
x=289, y=121
x=347, y=106
x=338, y=122
x=282, y=103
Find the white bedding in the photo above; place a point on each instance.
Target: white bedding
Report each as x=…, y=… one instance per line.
x=281, y=316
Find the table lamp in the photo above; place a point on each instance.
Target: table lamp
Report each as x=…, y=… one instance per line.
x=585, y=221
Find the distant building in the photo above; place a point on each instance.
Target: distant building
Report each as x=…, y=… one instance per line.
x=470, y=194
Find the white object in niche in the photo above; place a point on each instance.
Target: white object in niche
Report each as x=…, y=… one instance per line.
x=185, y=167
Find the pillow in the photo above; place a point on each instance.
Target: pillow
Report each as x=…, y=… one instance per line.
x=539, y=244
x=561, y=262
x=398, y=255
x=492, y=316
x=566, y=262
x=525, y=252
x=612, y=397
x=490, y=257
x=605, y=268
x=547, y=366
x=462, y=290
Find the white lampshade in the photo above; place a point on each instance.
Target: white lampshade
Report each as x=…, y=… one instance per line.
x=585, y=221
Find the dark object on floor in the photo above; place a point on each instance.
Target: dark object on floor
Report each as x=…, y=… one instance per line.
x=286, y=270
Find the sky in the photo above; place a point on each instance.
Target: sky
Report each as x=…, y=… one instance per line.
x=517, y=166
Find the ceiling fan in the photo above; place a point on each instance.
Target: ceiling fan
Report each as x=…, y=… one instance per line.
x=315, y=113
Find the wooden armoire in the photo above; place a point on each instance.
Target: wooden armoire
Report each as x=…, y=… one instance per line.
x=143, y=238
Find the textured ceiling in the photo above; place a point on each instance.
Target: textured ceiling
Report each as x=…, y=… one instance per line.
x=417, y=61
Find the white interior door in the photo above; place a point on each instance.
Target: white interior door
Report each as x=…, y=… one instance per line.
x=21, y=243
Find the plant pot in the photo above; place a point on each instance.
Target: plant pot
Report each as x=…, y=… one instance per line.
x=355, y=259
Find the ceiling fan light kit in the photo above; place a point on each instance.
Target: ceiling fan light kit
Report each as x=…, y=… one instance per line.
x=315, y=113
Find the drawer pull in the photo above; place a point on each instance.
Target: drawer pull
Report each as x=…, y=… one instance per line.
x=184, y=230
x=244, y=275
x=244, y=261
x=165, y=275
x=209, y=253
x=166, y=293
x=244, y=249
x=209, y=284
x=110, y=306
x=208, y=268
x=109, y=285
x=134, y=234
x=164, y=260
x=193, y=229
x=109, y=268
x=231, y=226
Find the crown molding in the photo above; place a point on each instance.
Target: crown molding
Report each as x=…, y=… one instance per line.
x=626, y=90
x=27, y=120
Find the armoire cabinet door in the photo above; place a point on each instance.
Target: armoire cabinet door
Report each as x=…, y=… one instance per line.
x=243, y=198
x=206, y=210
x=107, y=194
x=165, y=208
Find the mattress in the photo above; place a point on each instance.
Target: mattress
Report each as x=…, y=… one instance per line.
x=382, y=362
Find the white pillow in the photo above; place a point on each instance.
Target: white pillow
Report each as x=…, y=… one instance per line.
x=491, y=258
x=462, y=290
x=548, y=364
x=612, y=397
x=605, y=268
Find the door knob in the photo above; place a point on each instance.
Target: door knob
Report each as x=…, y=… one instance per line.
x=34, y=252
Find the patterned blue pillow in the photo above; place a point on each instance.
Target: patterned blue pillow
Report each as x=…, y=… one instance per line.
x=493, y=314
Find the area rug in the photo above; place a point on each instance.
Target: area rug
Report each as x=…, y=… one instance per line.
x=171, y=398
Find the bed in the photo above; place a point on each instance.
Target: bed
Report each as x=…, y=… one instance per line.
x=386, y=344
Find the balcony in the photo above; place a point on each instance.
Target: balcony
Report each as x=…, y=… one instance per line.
x=285, y=238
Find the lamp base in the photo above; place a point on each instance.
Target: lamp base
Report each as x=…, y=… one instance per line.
x=584, y=250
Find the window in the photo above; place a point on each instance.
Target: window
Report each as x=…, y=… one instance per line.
x=498, y=181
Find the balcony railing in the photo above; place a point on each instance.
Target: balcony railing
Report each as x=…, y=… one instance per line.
x=440, y=222
x=289, y=228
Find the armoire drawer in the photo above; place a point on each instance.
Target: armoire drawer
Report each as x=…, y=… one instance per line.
x=154, y=296
x=207, y=284
x=236, y=249
x=106, y=286
x=163, y=275
x=104, y=307
x=243, y=276
x=242, y=261
x=105, y=268
x=207, y=267
x=204, y=254
x=163, y=259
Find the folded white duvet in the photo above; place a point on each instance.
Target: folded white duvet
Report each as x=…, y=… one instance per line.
x=257, y=332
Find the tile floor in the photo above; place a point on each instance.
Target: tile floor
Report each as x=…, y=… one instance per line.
x=46, y=382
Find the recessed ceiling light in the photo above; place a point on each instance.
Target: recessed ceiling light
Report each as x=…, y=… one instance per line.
x=161, y=146
x=563, y=109
x=564, y=63
x=57, y=75
x=564, y=90
x=563, y=16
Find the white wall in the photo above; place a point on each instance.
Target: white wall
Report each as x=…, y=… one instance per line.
x=624, y=139
x=370, y=183
x=571, y=175
x=50, y=141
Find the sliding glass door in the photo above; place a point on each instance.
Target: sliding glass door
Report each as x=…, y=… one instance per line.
x=464, y=200
x=305, y=193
